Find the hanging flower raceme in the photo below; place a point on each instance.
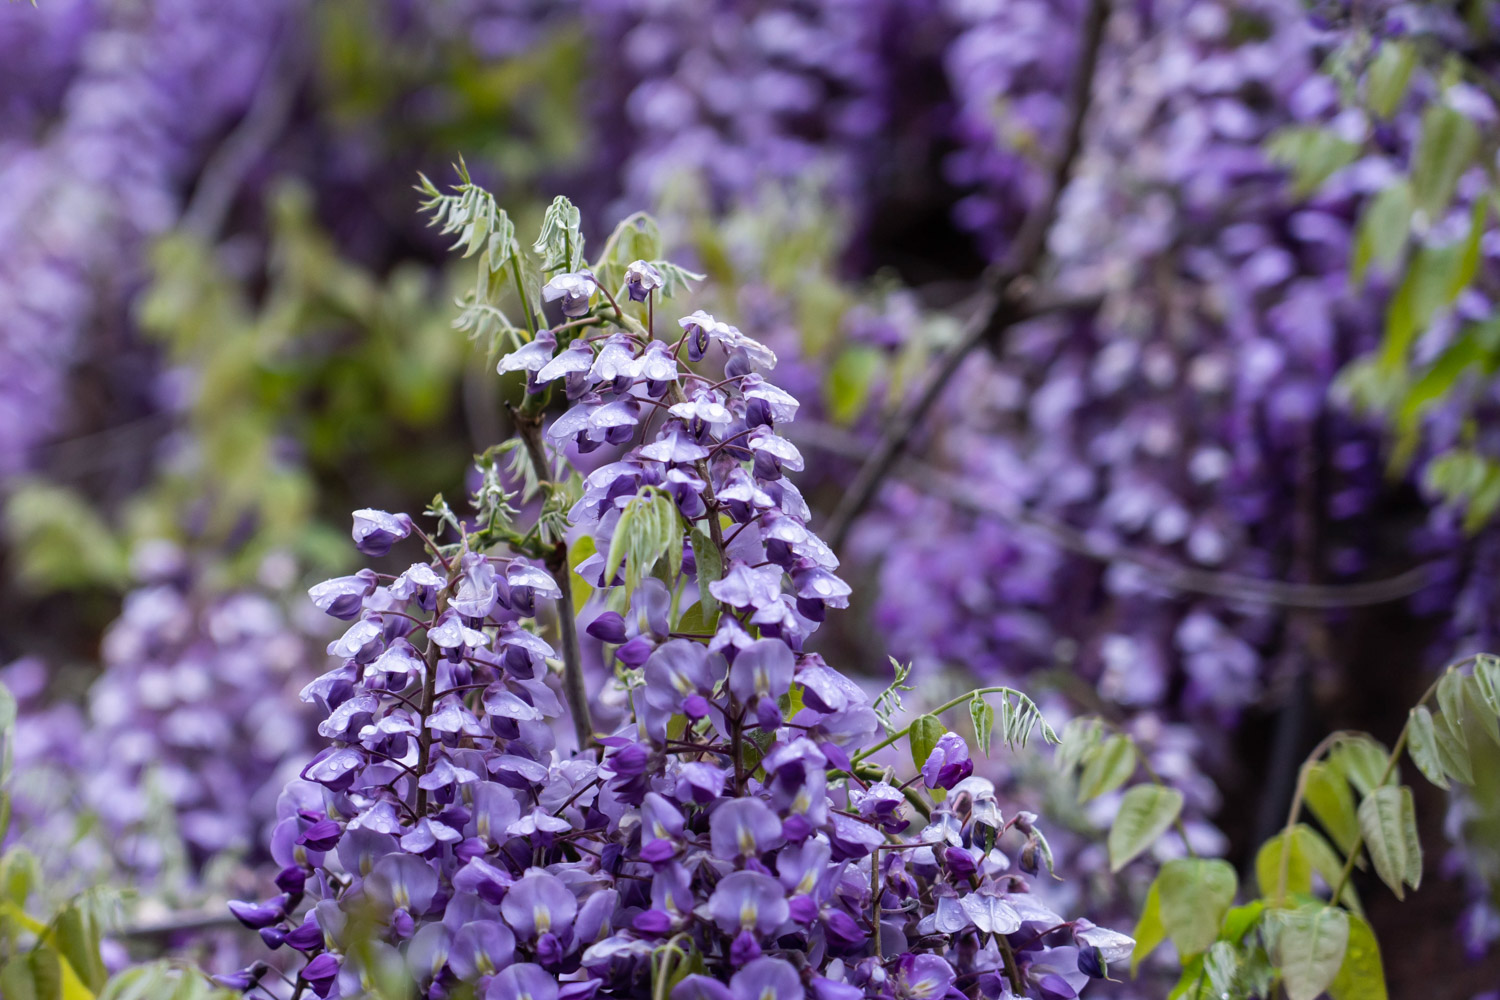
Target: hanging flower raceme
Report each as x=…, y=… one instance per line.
x=729, y=839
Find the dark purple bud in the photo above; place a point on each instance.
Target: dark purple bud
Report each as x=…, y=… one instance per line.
x=321, y=973
x=258, y=915
x=695, y=706
x=960, y=862
x=375, y=531
x=652, y=922
x=842, y=929
x=272, y=936
x=744, y=949
x=1091, y=963
x=307, y=936
x=635, y=652
x=321, y=836
x=1028, y=859
x=244, y=979
x=291, y=880
x=608, y=627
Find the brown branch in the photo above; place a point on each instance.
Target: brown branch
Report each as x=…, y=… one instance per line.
x=1006, y=289
x=238, y=154
x=575, y=688
x=1164, y=572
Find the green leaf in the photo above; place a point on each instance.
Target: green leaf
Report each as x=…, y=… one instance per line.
x=1325, y=861
x=1145, y=813
x=1388, y=819
x=1239, y=920
x=1479, y=709
x=1313, y=154
x=1362, y=760
x=47, y=974
x=1361, y=976
x=982, y=716
x=1329, y=797
x=1487, y=679
x=17, y=981
x=1195, y=894
x=1383, y=229
x=710, y=565
x=581, y=549
x=925, y=733
x=1421, y=743
x=1447, y=146
x=1193, y=984
x=693, y=622
x=1310, y=942
x=1450, y=697
x=1269, y=864
x=1451, y=751
x=1149, y=929
x=1106, y=767
x=1389, y=73
x=850, y=377
x=1078, y=736
x=1222, y=966
x=78, y=941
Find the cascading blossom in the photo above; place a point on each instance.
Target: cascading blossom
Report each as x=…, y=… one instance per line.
x=726, y=840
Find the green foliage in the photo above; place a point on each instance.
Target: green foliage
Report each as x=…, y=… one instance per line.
x=1145, y=813
x=1313, y=154
x=925, y=733
x=1194, y=895
x=648, y=532
x=1413, y=232
x=1305, y=924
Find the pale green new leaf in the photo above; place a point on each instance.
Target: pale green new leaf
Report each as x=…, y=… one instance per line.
x=710, y=567
x=1362, y=760
x=1078, y=735
x=1325, y=861
x=1314, y=154
x=1388, y=76
x=982, y=716
x=1452, y=753
x=1448, y=144
x=1310, y=942
x=1388, y=819
x=925, y=733
x=1479, y=709
x=1145, y=813
x=1421, y=743
x=1269, y=864
x=1382, y=230
x=1195, y=894
x=1450, y=697
x=1329, y=797
x=1106, y=767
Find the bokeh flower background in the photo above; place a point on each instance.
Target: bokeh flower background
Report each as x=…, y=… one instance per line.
x=1143, y=357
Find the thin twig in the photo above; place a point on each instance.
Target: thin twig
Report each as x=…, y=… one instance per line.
x=1165, y=573
x=238, y=154
x=1006, y=289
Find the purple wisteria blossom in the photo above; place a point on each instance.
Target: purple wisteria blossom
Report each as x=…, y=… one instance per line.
x=725, y=827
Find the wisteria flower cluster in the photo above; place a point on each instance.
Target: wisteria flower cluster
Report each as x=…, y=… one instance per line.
x=187, y=738
x=729, y=840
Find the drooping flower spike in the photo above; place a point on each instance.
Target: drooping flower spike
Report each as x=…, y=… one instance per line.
x=728, y=828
